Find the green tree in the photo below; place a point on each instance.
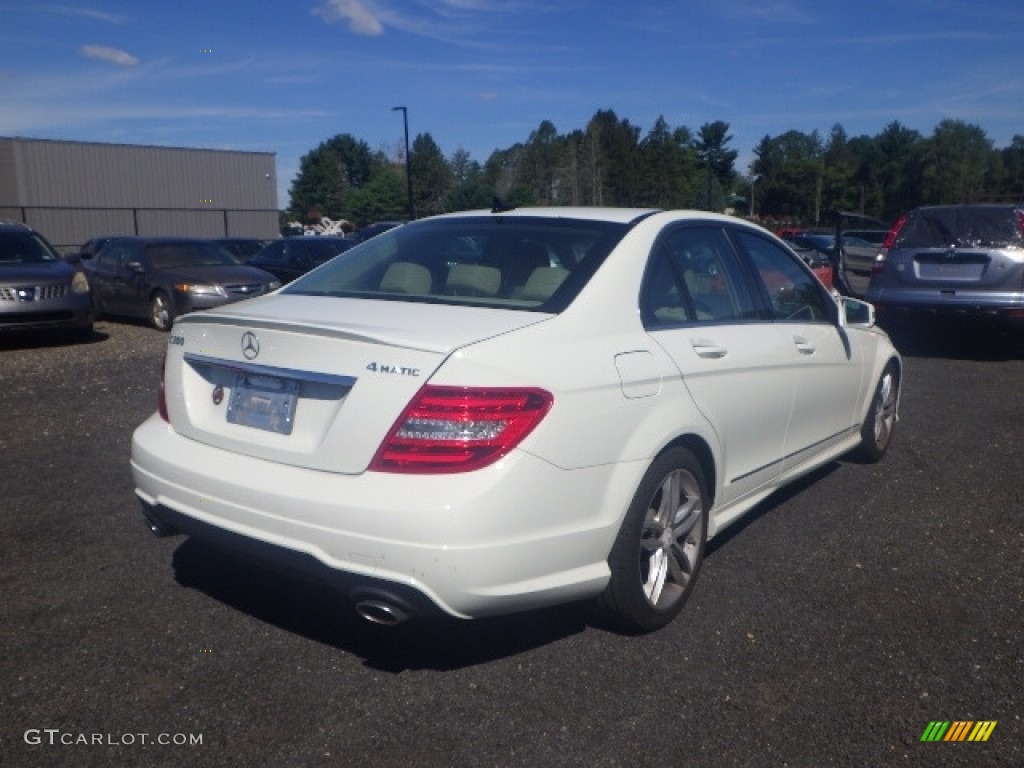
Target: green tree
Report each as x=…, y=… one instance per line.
x=717, y=161
x=431, y=177
x=502, y=174
x=330, y=173
x=615, y=159
x=470, y=190
x=790, y=166
x=382, y=199
x=839, y=164
x=668, y=167
x=956, y=159
x=543, y=165
x=1011, y=183
x=898, y=168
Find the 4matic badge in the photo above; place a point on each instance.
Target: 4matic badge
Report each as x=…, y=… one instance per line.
x=397, y=370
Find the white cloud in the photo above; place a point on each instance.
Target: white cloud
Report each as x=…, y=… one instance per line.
x=89, y=13
x=361, y=19
x=113, y=55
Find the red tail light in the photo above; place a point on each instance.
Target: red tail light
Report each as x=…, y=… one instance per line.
x=894, y=232
x=162, y=397
x=890, y=238
x=459, y=429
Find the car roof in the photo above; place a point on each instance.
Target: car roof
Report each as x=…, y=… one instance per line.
x=14, y=226
x=162, y=240
x=619, y=215
x=974, y=206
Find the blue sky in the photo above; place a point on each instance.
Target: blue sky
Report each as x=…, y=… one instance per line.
x=481, y=75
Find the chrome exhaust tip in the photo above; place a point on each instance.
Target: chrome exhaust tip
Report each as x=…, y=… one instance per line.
x=155, y=524
x=381, y=612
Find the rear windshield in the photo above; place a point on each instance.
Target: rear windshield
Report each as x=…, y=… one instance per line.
x=516, y=262
x=198, y=254
x=962, y=226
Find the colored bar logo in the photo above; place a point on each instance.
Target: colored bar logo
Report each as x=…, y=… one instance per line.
x=958, y=730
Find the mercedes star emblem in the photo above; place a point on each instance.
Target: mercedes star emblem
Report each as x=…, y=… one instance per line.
x=250, y=345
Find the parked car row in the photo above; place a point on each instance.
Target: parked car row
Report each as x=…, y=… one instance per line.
x=153, y=278
x=963, y=260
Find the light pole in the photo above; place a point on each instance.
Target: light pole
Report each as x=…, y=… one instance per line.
x=408, y=176
x=753, y=181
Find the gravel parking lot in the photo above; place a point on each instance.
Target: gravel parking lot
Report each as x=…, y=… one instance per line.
x=828, y=629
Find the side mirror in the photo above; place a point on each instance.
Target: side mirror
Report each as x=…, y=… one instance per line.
x=854, y=313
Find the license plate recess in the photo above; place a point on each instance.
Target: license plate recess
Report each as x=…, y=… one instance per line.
x=263, y=402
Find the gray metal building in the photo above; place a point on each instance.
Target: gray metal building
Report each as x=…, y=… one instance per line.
x=72, y=191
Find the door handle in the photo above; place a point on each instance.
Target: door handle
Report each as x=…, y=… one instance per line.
x=707, y=348
x=803, y=345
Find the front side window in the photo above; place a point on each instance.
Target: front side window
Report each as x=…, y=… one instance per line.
x=517, y=262
x=695, y=278
x=793, y=293
x=113, y=257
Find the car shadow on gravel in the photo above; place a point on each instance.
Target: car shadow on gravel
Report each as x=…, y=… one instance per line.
x=49, y=339
x=949, y=339
x=774, y=501
x=325, y=616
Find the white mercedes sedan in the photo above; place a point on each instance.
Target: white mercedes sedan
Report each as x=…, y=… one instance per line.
x=493, y=411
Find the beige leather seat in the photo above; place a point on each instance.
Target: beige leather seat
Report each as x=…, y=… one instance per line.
x=406, y=277
x=473, y=280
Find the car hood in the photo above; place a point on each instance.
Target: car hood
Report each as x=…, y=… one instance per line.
x=36, y=273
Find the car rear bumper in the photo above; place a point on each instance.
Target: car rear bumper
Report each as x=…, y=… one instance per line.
x=1004, y=307
x=1010, y=316
x=514, y=536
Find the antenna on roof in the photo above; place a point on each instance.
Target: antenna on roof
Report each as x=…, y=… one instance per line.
x=500, y=206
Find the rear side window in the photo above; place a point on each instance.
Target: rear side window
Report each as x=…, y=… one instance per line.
x=695, y=278
x=515, y=262
x=964, y=226
x=113, y=257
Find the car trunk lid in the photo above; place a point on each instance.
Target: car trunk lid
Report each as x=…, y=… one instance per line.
x=311, y=381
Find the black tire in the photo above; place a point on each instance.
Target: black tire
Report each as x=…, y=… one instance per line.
x=654, y=563
x=161, y=313
x=880, y=422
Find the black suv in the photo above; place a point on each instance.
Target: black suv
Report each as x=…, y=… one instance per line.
x=39, y=289
x=965, y=260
